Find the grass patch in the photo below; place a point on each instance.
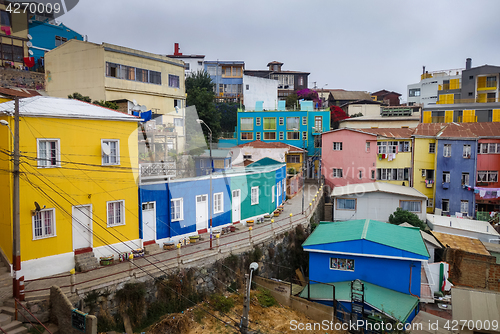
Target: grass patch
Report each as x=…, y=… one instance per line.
x=221, y=303
x=265, y=298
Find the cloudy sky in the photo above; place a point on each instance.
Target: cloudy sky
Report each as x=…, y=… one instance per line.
x=364, y=45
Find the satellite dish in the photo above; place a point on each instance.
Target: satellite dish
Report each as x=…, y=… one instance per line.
x=134, y=102
x=29, y=37
x=143, y=108
x=105, y=149
x=29, y=44
x=30, y=52
x=37, y=206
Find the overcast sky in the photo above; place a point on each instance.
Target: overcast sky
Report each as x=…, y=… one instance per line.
x=364, y=45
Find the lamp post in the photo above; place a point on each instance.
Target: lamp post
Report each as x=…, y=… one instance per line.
x=200, y=121
x=16, y=235
x=246, y=305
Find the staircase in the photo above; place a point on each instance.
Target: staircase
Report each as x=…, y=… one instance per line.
x=85, y=262
x=7, y=314
x=152, y=249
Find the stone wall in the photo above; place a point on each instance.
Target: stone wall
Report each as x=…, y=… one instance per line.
x=22, y=79
x=60, y=313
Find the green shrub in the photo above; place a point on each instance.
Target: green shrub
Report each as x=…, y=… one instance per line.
x=265, y=298
x=221, y=303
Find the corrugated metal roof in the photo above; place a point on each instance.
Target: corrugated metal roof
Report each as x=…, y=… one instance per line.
x=463, y=243
x=428, y=129
x=19, y=92
x=491, y=247
x=458, y=130
x=350, y=95
x=216, y=153
x=44, y=106
x=480, y=306
x=461, y=224
x=392, y=132
x=399, y=237
x=395, y=304
x=425, y=319
x=261, y=144
x=361, y=188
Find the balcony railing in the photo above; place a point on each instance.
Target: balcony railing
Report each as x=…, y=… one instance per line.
x=473, y=100
x=157, y=169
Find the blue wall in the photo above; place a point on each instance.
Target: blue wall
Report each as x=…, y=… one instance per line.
x=456, y=165
x=205, y=170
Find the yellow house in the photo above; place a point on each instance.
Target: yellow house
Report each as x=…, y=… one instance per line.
x=115, y=73
x=13, y=37
x=78, y=189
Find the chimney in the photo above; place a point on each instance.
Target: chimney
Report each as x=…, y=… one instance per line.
x=176, y=50
x=468, y=63
x=423, y=69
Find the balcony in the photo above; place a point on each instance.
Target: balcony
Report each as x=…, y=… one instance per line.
x=149, y=171
x=446, y=185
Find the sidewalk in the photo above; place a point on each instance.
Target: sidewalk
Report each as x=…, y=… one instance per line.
x=164, y=261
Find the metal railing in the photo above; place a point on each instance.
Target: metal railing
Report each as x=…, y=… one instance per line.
x=152, y=170
x=35, y=320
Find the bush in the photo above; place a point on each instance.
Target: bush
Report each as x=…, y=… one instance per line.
x=401, y=216
x=221, y=303
x=265, y=298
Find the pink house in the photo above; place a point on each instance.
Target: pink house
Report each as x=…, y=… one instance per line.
x=488, y=165
x=348, y=156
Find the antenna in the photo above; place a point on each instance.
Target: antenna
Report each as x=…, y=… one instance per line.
x=29, y=37
x=29, y=44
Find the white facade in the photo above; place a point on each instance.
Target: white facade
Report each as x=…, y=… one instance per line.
x=475, y=229
x=426, y=91
x=365, y=109
x=255, y=154
x=193, y=64
x=260, y=89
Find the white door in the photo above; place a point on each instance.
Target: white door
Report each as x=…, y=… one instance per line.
x=82, y=226
x=201, y=212
x=149, y=221
x=236, y=204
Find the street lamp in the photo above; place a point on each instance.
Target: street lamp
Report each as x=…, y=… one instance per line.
x=200, y=121
x=246, y=306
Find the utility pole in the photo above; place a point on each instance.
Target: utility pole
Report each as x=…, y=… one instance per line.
x=246, y=301
x=16, y=242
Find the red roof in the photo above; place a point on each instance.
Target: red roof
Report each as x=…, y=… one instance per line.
x=261, y=144
x=459, y=130
x=428, y=129
x=21, y=92
x=391, y=132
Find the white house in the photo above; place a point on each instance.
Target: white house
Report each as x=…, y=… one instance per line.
x=260, y=89
x=475, y=229
x=375, y=200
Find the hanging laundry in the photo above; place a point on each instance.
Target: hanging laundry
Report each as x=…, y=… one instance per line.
x=482, y=193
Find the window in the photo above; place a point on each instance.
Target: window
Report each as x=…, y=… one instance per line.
x=304, y=135
x=282, y=135
x=178, y=122
x=432, y=147
x=445, y=205
x=430, y=203
x=269, y=123
x=247, y=87
x=429, y=174
x=247, y=156
x=404, y=146
x=282, y=121
x=346, y=204
x=218, y=202
x=113, y=158
x=257, y=135
x=414, y=92
x=466, y=152
x=488, y=148
x=465, y=179
x=336, y=172
x=270, y=135
x=257, y=121
x=337, y=146
x=5, y=18
x=255, y=195
x=293, y=159
x=173, y=81
x=247, y=136
x=148, y=206
x=360, y=174
x=293, y=135
x=341, y=264
x=447, y=150
x=135, y=74
x=44, y=224
x=373, y=175
x=304, y=120
x=487, y=176
x=412, y=206
x=48, y=153
x=176, y=209
x=60, y=40
x=12, y=52
x=446, y=177
x=246, y=124
x=464, y=207
x=386, y=147
x=318, y=123
x=116, y=213
x=292, y=123
x=367, y=147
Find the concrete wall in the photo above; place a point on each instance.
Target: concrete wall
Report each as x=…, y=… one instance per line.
x=423, y=160
x=365, y=109
x=260, y=89
x=24, y=79
x=60, y=310
x=376, y=206
x=388, y=122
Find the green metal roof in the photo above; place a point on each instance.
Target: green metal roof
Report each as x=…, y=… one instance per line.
x=393, y=303
x=265, y=162
x=400, y=237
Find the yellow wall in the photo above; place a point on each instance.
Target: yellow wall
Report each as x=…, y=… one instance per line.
x=448, y=116
x=74, y=184
x=78, y=66
x=454, y=83
x=5, y=190
x=496, y=115
x=424, y=160
x=469, y=116
x=403, y=160
x=297, y=166
x=446, y=99
x=427, y=117
x=19, y=29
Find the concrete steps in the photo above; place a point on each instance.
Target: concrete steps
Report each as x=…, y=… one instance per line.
x=152, y=249
x=86, y=262
x=7, y=323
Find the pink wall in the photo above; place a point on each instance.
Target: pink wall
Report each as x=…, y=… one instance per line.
x=490, y=161
x=352, y=159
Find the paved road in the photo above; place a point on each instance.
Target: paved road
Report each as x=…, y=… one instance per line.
x=164, y=261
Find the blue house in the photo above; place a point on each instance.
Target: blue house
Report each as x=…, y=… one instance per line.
x=455, y=170
x=385, y=257
x=228, y=79
x=47, y=35
x=221, y=158
x=182, y=207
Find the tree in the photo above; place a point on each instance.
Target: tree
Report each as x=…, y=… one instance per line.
x=309, y=95
x=336, y=115
x=106, y=104
x=200, y=93
x=401, y=216
x=229, y=115
x=291, y=101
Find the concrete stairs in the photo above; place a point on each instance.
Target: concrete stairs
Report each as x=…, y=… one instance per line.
x=86, y=262
x=152, y=249
x=7, y=322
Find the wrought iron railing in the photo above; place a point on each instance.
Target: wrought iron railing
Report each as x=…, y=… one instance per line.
x=157, y=169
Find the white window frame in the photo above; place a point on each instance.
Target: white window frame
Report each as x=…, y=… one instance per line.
x=442, y=206
x=337, y=146
x=44, y=235
x=447, y=150
x=272, y=194
x=254, y=192
x=467, y=151
x=337, y=172
x=367, y=146
x=411, y=205
x=181, y=209
x=218, y=202
x=44, y=162
x=122, y=213
x=465, y=179
x=464, y=207
x=430, y=202
x=117, y=153
x=446, y=177
x=341, y=204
